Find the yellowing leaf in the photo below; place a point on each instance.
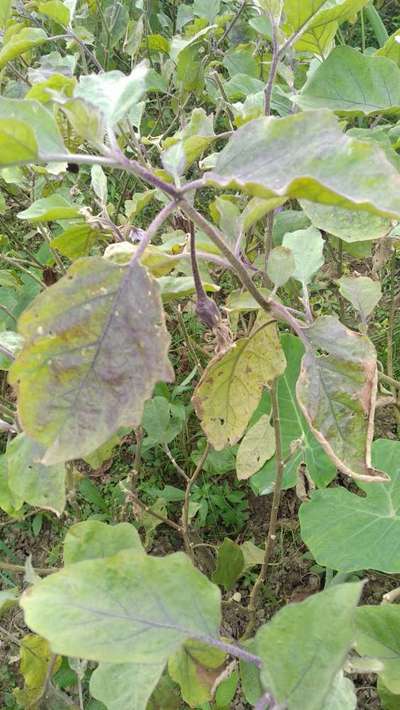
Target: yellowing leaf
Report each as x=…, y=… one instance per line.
x=56, y=10
x=35, y=656
x=195, y=668
x=95, y=346
x=20, y=42
x=255, y=449
x=231, y=386
x=17, y=142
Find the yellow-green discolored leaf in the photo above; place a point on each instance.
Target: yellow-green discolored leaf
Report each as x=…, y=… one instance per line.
x=315, y=22
x=56, y=10
x=20, y=42
x=57, y=85
x=337, y=394
x=35, y=657
x=305, y=645
x=195, y=668
x=9, y=501
x=5, y=9
x=95, y=346
x=29, y=480
x=306, y=156
x=41, y=122
x=93, y=539
x=174, y=287
x=187, y=145
x=256, y=447
x=231, y=386
x=142, y=610
x=353, y=84
x=77, y=240
x=17, y=142
x=125, y=686
x=349, y=225
x=391, y=48
x=49, y=209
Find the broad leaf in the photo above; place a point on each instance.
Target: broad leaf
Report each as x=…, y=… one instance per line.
x=95, y=346
x=256, y=447
x=348, y=225
x=337, y=393
x=344, y=531
x=343, y=695
x=20, y=42
x=296, y=433
x=378, y=636
x=93, y=539
x=307, y=156
x=125, y=685
x=113, y=93
x=391, y=48
x=281, y=265
x=362, y=292
x=29, y=480
x=144, y=608
x=316, y=21
x=17, y=142
x=231, y=386
x=56, y=10
x=195, y=667
x=305, y=645
x=41, y=123
x=352, y=83
x=307, y=247
x=187, y=145
x=9, y=501
x=230, y=564
x=49, y=209
x=162, y=420
x=77, y=240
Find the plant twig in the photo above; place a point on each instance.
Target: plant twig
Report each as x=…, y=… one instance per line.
x=146, y=509
x=20, y=569
x=186, y=503
x=232, y=23
x=271, y=536
x=175, y=464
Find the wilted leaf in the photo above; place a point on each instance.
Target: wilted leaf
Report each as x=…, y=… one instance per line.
x=344, y=531
x=307, y=247
x=35, y=656
x=306, y=156
x=295, y=432
x=362, y=292
x=230, y=564
x=125, y=620
x=352, y=83
x=99, y=183
x=193, y=667
x=125, y=685
x=93, y=539
x=337, y=393
x=231, y=386
x=298, y=668
x=29, y=480
x=256, y=447
x=95, y=346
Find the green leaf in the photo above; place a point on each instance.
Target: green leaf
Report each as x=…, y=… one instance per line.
x=391, y=48
x=99, y=183
x=256, y=447
x=113, y=93
x=49, y=209
x=126, y=686
x=143, y=610
x=174, y=287
x=296, y=430
x=231, y=386
x=13, y=343
x=389, y=701
x=307, y=247
x=226, y=691
x=193, y=667
x=77, y=240
x=377, y=636
x=325, y=166
x=93, y=539
x=298, y=668
x=316, y=21
x=17, y=142
x=230, y=564
x=337, y=393
x=41, y=123
x=29, y=480
x=182, y=149
x=95, y=346
x=55, y=10
x=5, y=9
x=9, y=501
x=162, y=420
x=20, y=42
x=344, y=531
x=343, y=695
x=353, y=84
x=362, y=292
x=252, y=554
x=349, y=225
x=281, y=265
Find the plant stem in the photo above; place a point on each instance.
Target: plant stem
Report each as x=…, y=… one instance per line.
x=146, y=509
x=273, y=68
x=269, y=223
x=20, y=569
x=186, y=503
x=232, y=23
x=233, y=650
x=271, y=537
x=175, y=464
